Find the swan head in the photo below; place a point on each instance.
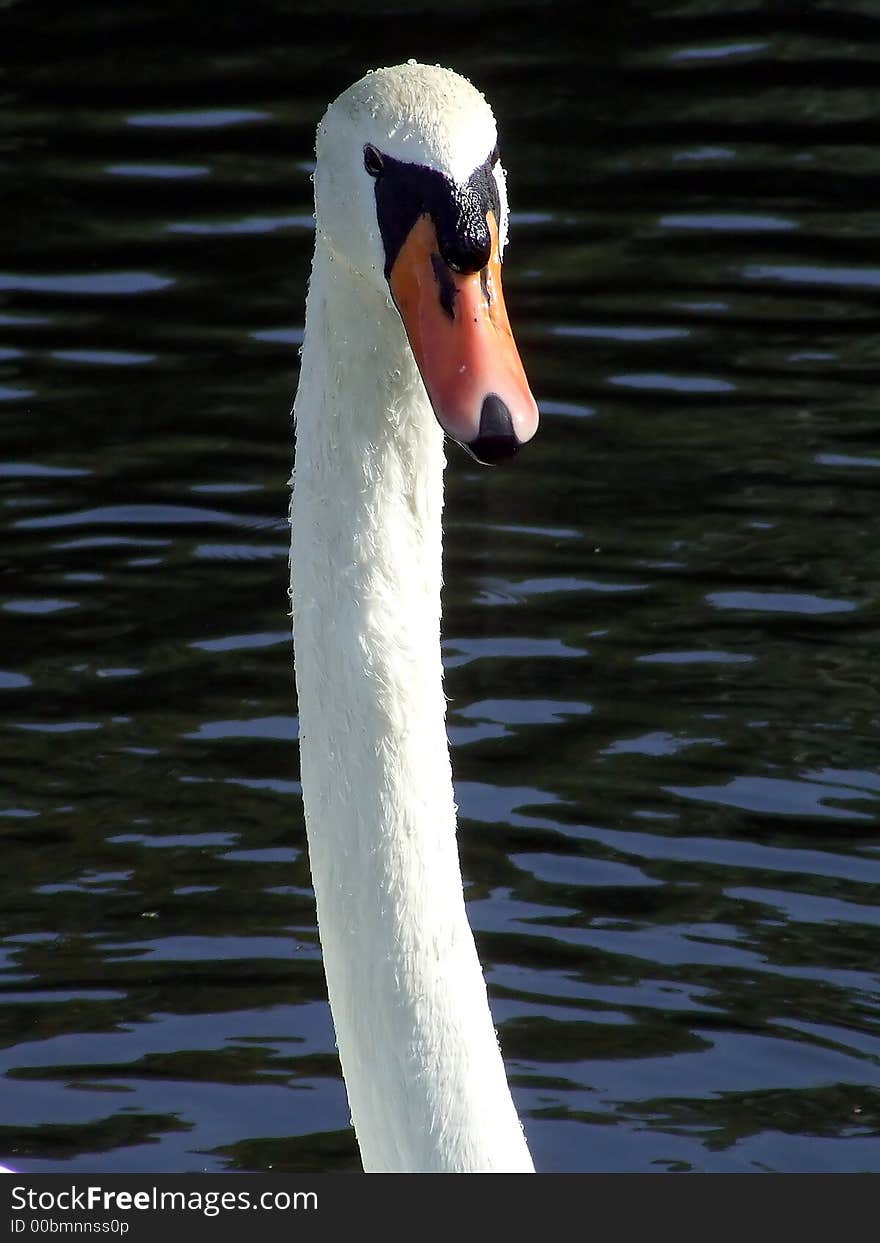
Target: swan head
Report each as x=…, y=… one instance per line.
x=410, y=194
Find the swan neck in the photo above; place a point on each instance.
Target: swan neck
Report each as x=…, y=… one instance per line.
x=419, y=1052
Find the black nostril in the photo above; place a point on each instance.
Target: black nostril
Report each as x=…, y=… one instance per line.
x=497, y=439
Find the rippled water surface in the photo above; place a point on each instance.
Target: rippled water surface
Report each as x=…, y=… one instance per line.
x=661, y=623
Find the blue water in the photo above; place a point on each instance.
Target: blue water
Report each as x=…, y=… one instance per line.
x=661, y=622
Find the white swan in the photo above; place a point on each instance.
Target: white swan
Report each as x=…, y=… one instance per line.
x=410, y=205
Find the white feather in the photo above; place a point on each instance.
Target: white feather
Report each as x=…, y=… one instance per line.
x=419, y=1051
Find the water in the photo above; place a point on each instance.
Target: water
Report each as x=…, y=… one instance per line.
x=661, y=622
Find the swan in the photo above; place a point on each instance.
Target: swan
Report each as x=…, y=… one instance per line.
x=406, y=337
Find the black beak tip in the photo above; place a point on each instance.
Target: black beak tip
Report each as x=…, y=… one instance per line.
x=497, y=440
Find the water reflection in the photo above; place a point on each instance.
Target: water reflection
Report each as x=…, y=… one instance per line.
x=659, y=625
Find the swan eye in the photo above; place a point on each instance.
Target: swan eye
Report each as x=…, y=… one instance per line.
x=373, y=161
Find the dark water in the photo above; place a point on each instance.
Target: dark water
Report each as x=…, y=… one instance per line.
x=661, y=622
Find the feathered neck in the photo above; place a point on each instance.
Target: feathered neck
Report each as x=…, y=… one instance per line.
x=419, y=1053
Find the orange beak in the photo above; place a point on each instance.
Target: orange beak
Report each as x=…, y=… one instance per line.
x=460, y=336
